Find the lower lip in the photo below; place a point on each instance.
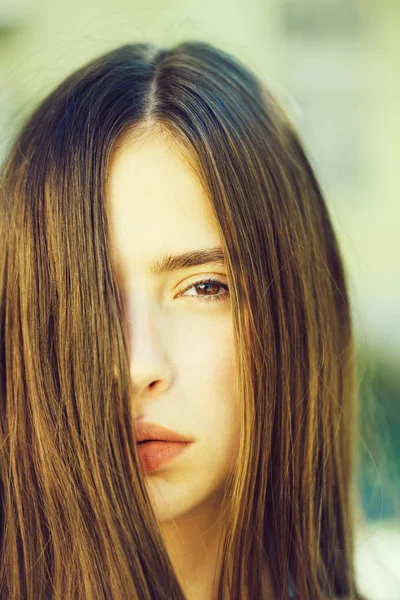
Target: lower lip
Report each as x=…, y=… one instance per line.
x=154, y=454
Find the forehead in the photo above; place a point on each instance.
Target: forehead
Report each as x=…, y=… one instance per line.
x=157, y=204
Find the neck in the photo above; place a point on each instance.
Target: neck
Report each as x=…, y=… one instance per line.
x=194, y=543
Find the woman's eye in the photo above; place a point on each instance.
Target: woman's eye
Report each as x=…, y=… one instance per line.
x=208, y=289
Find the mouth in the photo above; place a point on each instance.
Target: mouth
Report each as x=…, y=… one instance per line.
x=146, y=431
x=154, y=440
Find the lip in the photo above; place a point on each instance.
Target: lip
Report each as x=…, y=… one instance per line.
x=147, y=431
x=154, y=454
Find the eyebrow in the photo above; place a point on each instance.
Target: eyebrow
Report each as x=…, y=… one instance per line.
x=192, y=258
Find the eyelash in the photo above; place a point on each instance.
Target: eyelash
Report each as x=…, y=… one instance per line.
x=210, y=298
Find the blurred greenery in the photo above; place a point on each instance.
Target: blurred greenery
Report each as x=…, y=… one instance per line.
x=379, y=441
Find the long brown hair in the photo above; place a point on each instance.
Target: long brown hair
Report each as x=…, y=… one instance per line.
x=76, y=520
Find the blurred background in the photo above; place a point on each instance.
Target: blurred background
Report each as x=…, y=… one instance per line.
x=334, y=65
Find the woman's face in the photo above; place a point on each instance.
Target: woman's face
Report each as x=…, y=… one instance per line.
x=182, y=363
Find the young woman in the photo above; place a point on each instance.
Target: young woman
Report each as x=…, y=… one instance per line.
x=167, y=260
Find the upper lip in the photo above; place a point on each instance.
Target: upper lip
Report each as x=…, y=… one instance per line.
x=144, y=431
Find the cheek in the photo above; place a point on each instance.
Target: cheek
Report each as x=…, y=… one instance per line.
x=205, y=346
x=207, y=372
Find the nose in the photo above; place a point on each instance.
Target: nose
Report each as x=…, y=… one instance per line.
x=150, y=369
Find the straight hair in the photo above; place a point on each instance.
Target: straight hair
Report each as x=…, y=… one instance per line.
x=75, y=516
